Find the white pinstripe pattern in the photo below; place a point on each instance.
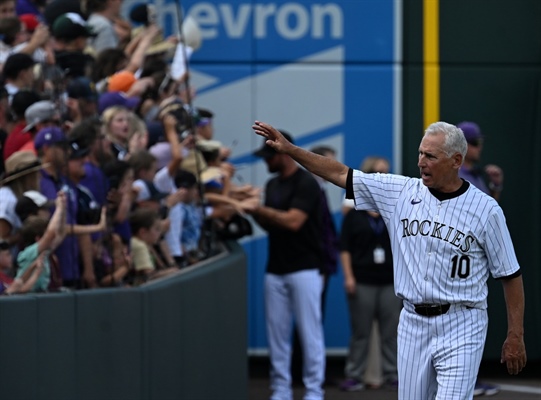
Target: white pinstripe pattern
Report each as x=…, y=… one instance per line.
x=443, y=252
x=426, y=236
x=449, y=346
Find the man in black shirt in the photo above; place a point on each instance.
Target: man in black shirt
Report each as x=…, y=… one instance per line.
x=293, y=283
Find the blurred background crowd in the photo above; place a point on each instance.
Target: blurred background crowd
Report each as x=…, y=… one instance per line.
x=110, y=177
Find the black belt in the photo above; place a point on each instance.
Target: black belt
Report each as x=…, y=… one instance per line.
x=431, y=310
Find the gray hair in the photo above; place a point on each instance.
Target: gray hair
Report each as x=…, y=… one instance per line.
x=455, y=142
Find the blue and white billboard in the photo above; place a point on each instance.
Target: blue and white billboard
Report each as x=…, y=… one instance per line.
x=326, y=71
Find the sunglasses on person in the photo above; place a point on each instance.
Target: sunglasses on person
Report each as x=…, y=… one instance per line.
x=4, y=245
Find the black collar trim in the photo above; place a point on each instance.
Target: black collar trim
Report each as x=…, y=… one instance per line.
x=447, y=196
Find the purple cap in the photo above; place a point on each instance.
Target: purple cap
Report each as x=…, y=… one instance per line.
x=50, y=136
x=111, y=99
x=471, y=130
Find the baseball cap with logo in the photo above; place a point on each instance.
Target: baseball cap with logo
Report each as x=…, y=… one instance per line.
x=82, y=88
x=71, y=25
x=38, y=112
x=77, y=150
x=50, y=136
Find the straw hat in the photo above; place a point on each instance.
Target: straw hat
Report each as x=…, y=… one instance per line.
x=19, y=164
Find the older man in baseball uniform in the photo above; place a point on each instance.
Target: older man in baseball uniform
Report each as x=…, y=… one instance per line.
x=447, y=236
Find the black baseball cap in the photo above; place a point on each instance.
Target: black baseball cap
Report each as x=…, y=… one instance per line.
x=16, y=63
x=82, y=88
x=266, y=151
x=185, y=179
x=77, y=150
x=70, y=26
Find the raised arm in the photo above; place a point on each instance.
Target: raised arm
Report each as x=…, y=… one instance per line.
x=55, y=232
x=513, y=350
x=325, y=167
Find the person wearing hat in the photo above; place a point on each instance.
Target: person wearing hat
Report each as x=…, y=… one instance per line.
x=30, y=7
x=17, y=138
x=121, y=81
x=470, y=170
x=21, y=175
x=82, y=100
x=39, y=238
x=38, y=116
x=112, y=60
x=89, y=211
x=71, y=33
x=33, y=202
x=148, y=38
x=124, y=81
x=164, y=180
x=89, y=133
x=18, y=73
x=477, y=176
x=55, y=8
x=111, y=99
x=53, y=148
x=293, y=283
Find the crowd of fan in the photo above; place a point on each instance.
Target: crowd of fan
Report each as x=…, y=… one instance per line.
x=109, y=176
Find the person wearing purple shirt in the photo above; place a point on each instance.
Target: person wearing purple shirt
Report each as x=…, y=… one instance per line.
x=470, y=170
x=88, y=134
x=52, y=147
x=99, y=169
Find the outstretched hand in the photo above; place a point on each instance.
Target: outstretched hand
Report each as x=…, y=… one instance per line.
x=274, y=138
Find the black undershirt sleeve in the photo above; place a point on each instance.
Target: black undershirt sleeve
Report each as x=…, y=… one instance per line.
x=349, y=185
x=515, y=275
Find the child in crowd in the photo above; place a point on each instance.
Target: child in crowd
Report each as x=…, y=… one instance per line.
x=192, y=216
x=111, y=260
x=146, y=228
x=8, y=285
x=39, y=237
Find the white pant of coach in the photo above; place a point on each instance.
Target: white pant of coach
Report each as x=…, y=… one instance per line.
x=439, y=356
x=296, y=295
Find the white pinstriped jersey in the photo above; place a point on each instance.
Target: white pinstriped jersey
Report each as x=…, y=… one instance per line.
x=443, y=251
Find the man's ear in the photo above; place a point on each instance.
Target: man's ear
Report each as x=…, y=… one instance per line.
x=457, y=160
